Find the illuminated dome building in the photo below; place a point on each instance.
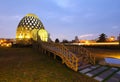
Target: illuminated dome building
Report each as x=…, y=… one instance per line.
x=30, y=28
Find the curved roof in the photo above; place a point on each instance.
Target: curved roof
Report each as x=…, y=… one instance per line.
x=31, y=21
x=33, y=15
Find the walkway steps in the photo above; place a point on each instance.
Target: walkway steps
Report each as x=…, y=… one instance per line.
x=102, y=73
x=97, y=71
x=105, y=74
x=115, y=77
x=83, y=67
x=89, y=69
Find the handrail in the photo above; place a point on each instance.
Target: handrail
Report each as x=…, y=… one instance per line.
x=81, y=51
x=71, y=59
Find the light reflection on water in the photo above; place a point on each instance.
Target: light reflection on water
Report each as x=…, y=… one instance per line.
x=112, y=60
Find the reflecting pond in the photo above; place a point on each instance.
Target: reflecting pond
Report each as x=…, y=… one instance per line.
x=112, y=60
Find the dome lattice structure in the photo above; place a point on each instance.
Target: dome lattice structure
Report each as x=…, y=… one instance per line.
x=31, y=21
x=25, y=28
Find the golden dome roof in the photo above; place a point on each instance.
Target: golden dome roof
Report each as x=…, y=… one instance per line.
x=30, y=21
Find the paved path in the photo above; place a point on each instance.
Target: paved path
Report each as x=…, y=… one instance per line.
x=102, y=73
x=94, y=72
x=89, y=69
x=105, y=74
x=115, y=77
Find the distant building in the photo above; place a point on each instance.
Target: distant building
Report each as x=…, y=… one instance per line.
x=30, y=28
x=76, y=39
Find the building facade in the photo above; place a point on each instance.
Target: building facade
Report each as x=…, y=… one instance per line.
x=30, y=28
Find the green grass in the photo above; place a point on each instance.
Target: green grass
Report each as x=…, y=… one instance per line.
x=27, y=65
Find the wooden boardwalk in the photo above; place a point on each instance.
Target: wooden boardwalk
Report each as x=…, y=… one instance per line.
x=80, y=59
x=72, y=58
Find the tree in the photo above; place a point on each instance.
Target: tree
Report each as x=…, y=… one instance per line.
x=65, y=41
x=57, y=40
x=102, y=38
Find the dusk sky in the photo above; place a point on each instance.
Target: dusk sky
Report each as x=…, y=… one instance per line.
x=63, y=19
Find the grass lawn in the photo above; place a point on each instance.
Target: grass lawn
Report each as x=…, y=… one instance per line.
x=27, y=65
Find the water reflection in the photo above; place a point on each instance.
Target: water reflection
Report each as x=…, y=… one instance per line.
x=112, y=60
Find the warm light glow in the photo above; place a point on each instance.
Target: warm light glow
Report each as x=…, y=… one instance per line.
x=6, y=44
x=20, y=36
x=32, y=15
x=43, y=34
x=112, y=38
x=34, y=34
x=118, y=57
x=87, y=42
x=28, y=29
x=102, y=43
x=28, y=36
x=1, y=41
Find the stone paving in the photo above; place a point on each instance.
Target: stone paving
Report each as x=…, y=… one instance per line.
x=89, y=69
x=115, y=77
x=82, y=67
x=102, y=73
x=94, y=72
x=105, y=74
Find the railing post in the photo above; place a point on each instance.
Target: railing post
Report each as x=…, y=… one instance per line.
x=48, y=53
x=54, y=56
x=42, y=50
x=76, y=65
x=63, y=61
x=66, y=53
x=45, y=51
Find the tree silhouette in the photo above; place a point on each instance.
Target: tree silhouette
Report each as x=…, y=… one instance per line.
x=65, y=41
x=57, y=40
x=102, y=38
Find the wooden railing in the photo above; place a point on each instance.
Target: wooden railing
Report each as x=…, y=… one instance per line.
x=72, y=56
x=67, y=57
x=83, y=52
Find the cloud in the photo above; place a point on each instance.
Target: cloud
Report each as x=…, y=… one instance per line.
x=89, y=15
x=115, y=27
x=64, y=3
x=85, y=36
x=60, y=17
x=15, y=17
x=10, y=22
x=67, y=19
x=59, y=36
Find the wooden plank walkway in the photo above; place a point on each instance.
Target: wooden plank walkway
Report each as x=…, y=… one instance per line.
x=72, y=60
x=80, y=59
